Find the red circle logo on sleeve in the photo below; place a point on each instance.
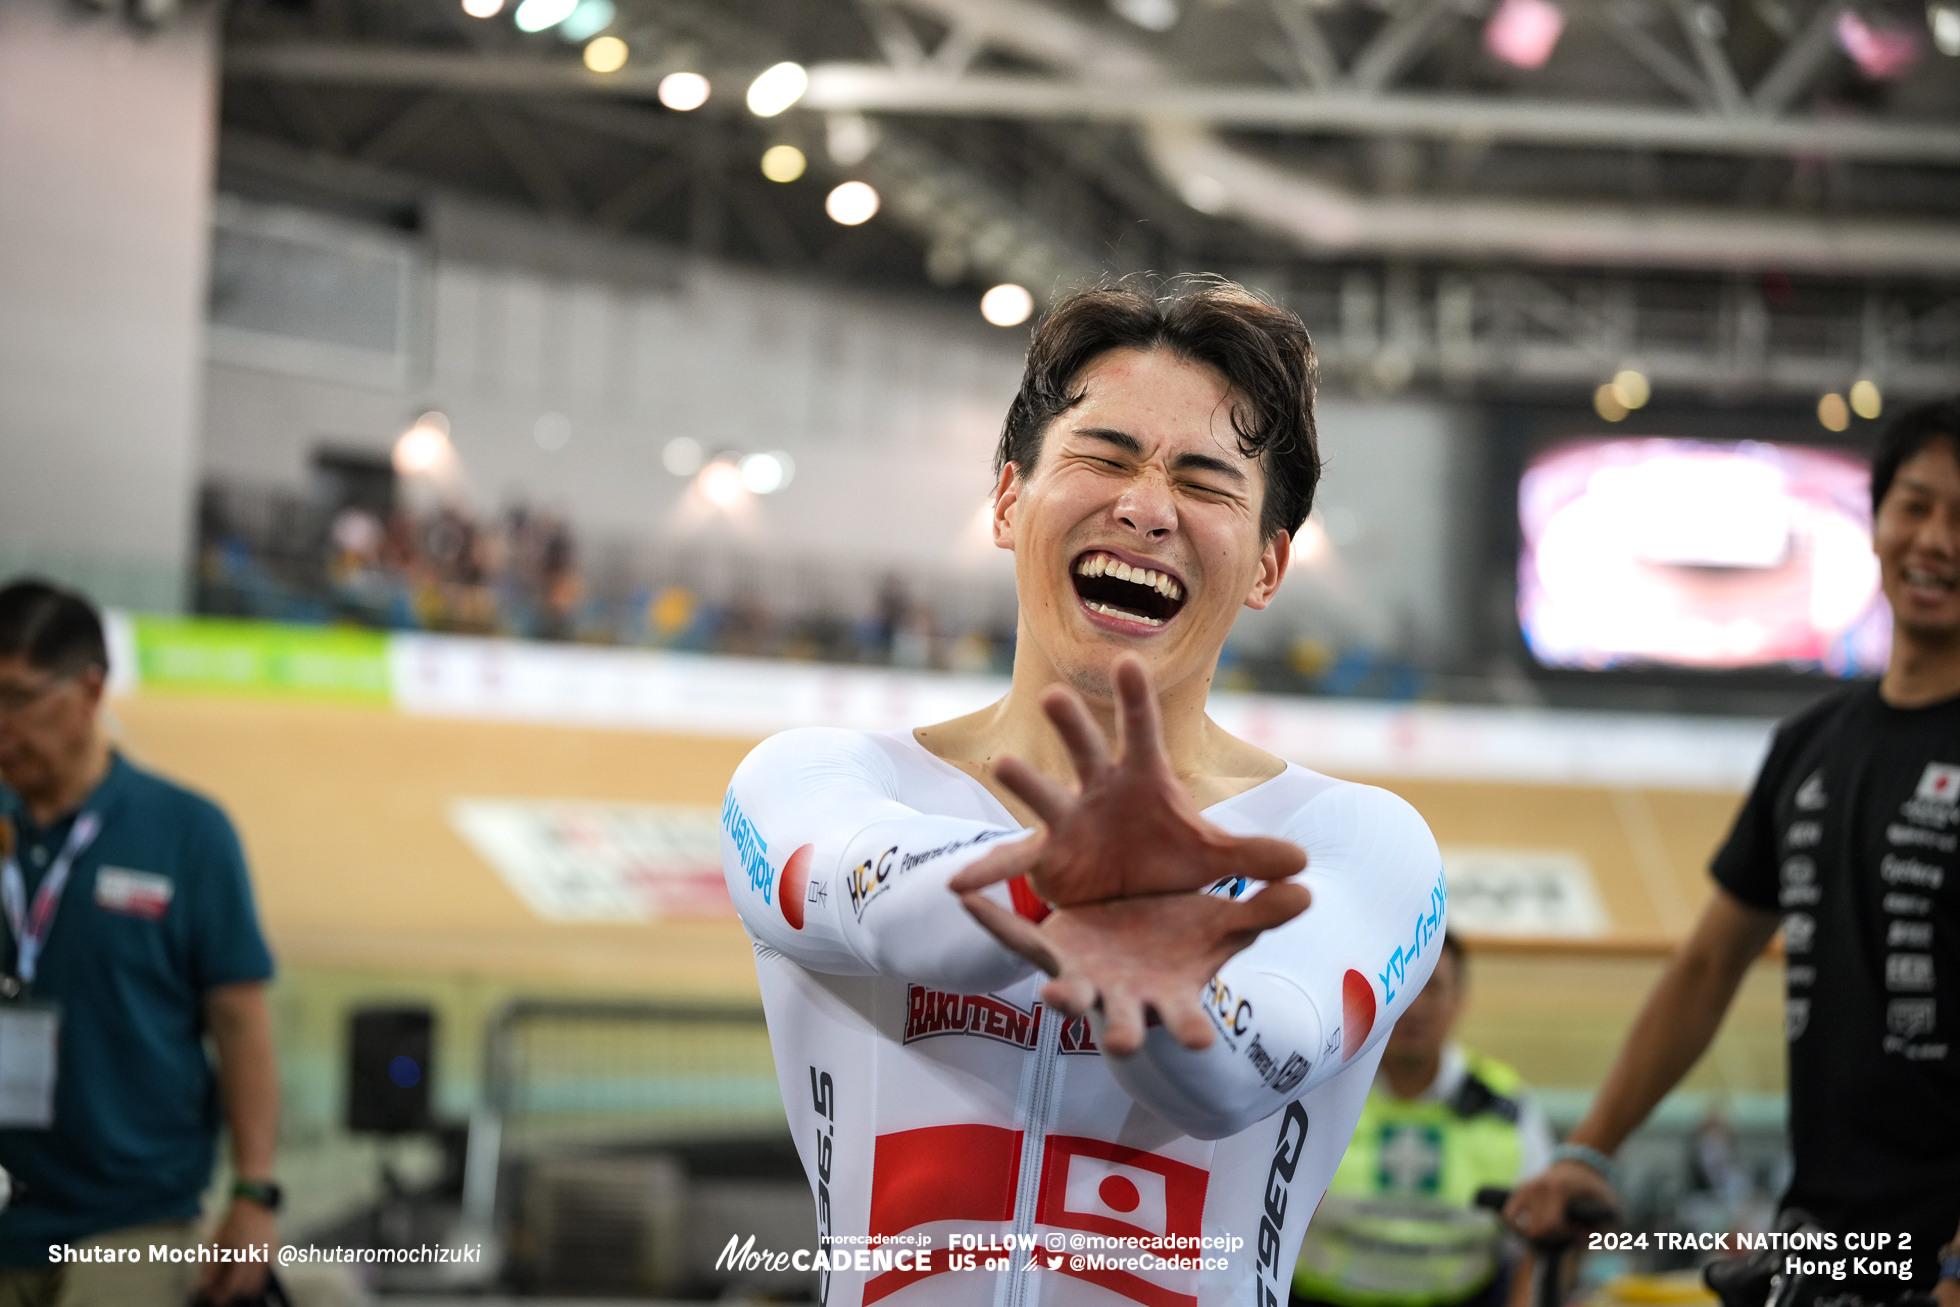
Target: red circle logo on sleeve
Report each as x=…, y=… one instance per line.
x=1357, y=1013
x=795, y=883
x=1026, y=902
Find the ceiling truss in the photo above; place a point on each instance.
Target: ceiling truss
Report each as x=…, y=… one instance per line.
x=1343, y=146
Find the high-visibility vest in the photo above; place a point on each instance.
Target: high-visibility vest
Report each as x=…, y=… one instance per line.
x=1397, y=1228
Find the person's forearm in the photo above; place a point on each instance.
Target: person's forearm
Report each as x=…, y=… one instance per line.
x=1673, y=1030
x=248, y=1076
x=1263, y=1052
x=824, y=866
x=1299, y=1004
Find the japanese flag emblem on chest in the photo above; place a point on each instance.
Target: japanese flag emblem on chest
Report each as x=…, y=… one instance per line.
x=1939, y=783
x=134, y=893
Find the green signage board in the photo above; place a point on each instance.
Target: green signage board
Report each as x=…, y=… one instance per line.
x=228, y=656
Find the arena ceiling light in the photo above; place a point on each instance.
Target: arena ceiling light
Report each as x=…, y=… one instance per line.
x=720, y=483
x=587, y=19
x=1150, y=15
x=775, y=90
x=683, y=92
x=424, y=449
x=1630, y=388
x=766, y=473
x=1007, y=305
x=1944, y=22
x=1881, y=51
x=1523, y=33
x=607, y=54
x=851, y=203
x=1866, y=401
x=1311, y=546
x=682, y=456
x=537, y=15
x=1607, y=403
x=1204, y=193
x=783, y=163
x=483, y=8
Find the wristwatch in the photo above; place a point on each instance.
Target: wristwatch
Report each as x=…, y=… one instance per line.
x=1949, y=1256
x=266, y=1193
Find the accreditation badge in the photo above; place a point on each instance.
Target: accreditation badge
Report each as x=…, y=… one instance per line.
x=30, y=1040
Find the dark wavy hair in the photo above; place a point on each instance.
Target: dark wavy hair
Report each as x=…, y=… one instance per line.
x=1263, y=352
x=55, y=630
x=1906, y=435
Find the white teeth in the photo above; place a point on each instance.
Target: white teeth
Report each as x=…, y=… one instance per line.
x=1125, y=615
x=1914, y=576
x=1104, y=565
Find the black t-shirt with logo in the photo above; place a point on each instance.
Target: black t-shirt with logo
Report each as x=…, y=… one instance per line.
x=1851, y=834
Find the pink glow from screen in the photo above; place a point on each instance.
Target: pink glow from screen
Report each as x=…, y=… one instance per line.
x=1523, y=32
x=1686, y=553
x=1881, y=53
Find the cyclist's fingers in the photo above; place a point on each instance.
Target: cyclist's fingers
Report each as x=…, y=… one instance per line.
x=1012, y=930
x=1185, y=1019
x=1070, y=992
x=1087, y=749
x=1260, y=857
x=1273, y=906
x=1140, y=732
x=1050, y=801
x=1004, y=863
x=1122, y=1022
x=1536, y=1209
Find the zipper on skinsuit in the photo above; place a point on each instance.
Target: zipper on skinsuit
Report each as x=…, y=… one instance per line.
x=1039, y=1096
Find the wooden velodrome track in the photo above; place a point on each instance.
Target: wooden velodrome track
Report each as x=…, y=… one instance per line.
x=358, y=871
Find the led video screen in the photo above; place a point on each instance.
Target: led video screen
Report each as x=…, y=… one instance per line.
x=1665, y=552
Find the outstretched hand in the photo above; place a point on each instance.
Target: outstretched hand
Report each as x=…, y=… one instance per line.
x=1122, y=860
x=1130, y=829
x=1154, y=952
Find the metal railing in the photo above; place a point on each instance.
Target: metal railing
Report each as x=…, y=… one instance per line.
x=582, y=1074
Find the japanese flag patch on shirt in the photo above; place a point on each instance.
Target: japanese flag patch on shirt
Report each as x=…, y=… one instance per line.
x=1940, y=783
x=133, y=893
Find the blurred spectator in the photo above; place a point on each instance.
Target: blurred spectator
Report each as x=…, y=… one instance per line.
x=1397, y=1228
x=894, y=607
x=912, y=641
x=744, y=628
x=671, y=614
x=522, y=574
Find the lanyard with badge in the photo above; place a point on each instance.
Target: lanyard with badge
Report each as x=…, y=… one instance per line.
x=30, y=1031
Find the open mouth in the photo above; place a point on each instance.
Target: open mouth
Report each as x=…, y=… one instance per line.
x=1934, y=584
x=1129, y=593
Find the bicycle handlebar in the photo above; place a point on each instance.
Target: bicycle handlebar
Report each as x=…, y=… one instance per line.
x=1582, y=1211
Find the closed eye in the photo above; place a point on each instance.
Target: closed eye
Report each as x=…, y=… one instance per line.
x=1217, y=492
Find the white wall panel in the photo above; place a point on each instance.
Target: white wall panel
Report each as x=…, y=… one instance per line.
x=106, y=139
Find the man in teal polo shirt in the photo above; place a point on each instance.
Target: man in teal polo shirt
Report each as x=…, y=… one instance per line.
x=129, y=936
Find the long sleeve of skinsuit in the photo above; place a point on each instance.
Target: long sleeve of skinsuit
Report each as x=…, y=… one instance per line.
x=837, y=846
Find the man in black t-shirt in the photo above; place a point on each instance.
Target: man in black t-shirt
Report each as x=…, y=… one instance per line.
x=1848, y=842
